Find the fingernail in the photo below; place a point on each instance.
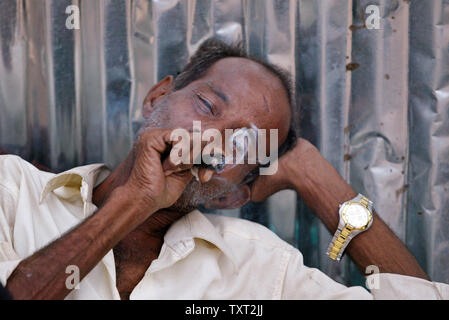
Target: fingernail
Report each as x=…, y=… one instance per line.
x=207, y=175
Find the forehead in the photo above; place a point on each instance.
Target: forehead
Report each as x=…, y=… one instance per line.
x=252, y=88
x=242, y=76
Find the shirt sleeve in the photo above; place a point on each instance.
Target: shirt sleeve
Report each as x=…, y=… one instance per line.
x=302, y=282
x=8, y=257
x=389, y=286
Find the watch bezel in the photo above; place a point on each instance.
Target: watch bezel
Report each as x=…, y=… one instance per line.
x=345, y=207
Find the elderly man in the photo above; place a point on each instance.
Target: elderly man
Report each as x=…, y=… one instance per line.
x=136, y=233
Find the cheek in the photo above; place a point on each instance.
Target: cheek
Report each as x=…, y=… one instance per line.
x=181, y=111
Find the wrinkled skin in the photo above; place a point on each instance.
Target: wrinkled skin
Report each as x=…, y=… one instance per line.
x=139, y=199
x=241, y=93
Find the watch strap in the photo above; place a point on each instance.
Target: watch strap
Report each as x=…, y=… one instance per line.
x=363, y=201
x=339, y=242
x=345, y=232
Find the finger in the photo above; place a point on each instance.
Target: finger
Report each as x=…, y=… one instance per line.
x=151, y=144
x=204, y=175
x=169, y=167
x=180, y=157
x=183, y=176
x=185, y=150
x=178, y=181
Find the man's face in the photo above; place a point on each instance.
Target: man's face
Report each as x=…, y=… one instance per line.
x=234, y=93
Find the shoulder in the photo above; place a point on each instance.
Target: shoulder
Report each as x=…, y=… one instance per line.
x=14, y=164
x=15, y=170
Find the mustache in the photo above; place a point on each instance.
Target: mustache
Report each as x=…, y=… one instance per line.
x=197, y=194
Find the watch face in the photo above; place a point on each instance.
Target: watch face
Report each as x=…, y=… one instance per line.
x=356, y=215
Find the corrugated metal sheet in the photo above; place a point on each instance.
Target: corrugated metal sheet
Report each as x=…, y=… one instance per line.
x=70, y=97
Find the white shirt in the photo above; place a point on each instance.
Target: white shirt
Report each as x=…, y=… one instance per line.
x=202, y=257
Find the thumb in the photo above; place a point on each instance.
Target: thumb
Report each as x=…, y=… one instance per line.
x=177, y=181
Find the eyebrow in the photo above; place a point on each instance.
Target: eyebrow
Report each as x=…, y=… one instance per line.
x=218, y=93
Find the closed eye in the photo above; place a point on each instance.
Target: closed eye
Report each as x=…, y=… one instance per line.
x=205, y=103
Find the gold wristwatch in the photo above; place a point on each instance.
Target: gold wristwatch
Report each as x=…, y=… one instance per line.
x=356, y=216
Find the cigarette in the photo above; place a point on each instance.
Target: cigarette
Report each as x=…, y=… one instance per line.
x=194, y=171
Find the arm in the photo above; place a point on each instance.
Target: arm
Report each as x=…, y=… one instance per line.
x=42, y=275
x=148, y=189
x=305, y=170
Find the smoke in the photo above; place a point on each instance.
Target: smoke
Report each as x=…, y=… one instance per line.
x=195, y=193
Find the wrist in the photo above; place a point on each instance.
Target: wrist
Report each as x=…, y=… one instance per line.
x=135, y=201
x=304, y=161
x=294, y=177
x=320, y=187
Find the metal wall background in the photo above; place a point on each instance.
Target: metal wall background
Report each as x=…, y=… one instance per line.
x=70, y=97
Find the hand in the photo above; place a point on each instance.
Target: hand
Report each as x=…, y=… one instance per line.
x=301, y=157
x=157, y=184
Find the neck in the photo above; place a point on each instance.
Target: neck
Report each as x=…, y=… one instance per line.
x=117, y=178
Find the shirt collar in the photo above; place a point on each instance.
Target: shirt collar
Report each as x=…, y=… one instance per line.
x=196, y=225
x=79, y=181
x=82, y=180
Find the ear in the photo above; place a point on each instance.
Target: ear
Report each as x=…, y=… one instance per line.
x=159, y=90
x=232, y=200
